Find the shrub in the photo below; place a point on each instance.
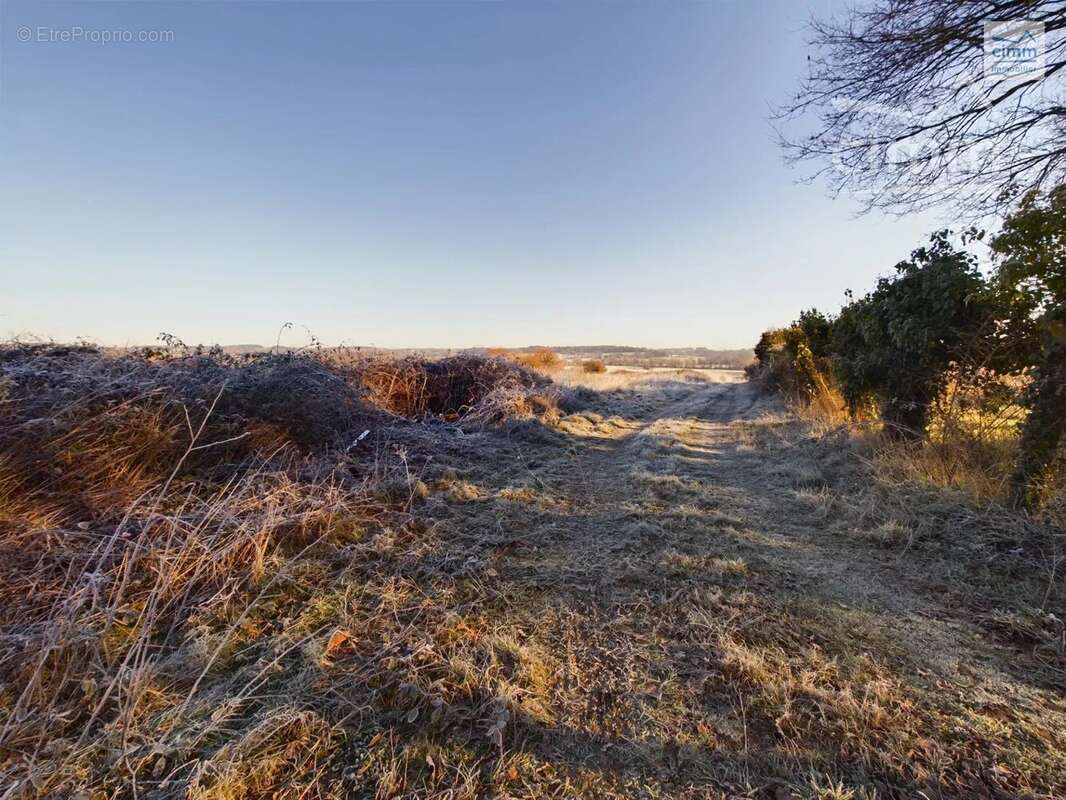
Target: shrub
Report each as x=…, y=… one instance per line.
x=459, y=387
x=817, y=328
x=1032, y=276
x=540, y=359
x=896, y=345
x=83, y=432
x=787, y=363
x=593, y=365
x=943, y=354
x=305, y=397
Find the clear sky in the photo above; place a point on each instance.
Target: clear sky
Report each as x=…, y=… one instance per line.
x=415, y=174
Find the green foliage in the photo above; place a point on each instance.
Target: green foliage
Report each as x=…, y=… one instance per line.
x=856, y=372
x=769, y=342
x=1032, y=251
x=1039, y=453
x=1032, y=277
x=817, y=327
x=937, y=319
x=792, y=360
x=896, y=345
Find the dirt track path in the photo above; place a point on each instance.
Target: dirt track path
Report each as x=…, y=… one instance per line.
x=673, y=567
x=700, y=454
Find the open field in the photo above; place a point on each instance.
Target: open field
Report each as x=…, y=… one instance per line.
x=616, y=377
x=665, y=586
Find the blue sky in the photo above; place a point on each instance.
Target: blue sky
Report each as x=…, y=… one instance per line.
x=415, y=174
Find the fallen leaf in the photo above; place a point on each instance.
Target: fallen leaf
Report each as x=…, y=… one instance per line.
x=337, y=641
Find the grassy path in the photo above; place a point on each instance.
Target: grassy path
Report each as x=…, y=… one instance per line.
x=685, y=618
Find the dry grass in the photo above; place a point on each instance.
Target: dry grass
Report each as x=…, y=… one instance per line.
x=939, y=500
x=682, y=597
x=970, y=448
x=978, y=469
x=174, y=531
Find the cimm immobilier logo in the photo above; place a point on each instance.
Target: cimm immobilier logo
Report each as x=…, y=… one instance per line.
x=1014, y=49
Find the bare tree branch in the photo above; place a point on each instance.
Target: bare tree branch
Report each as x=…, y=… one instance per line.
x=905, y=117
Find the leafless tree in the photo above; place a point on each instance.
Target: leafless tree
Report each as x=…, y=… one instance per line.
x=906, y=116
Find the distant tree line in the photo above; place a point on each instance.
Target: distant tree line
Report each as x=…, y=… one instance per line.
x=936, y=319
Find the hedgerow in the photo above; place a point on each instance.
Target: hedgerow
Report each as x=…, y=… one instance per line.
x=938, y=322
